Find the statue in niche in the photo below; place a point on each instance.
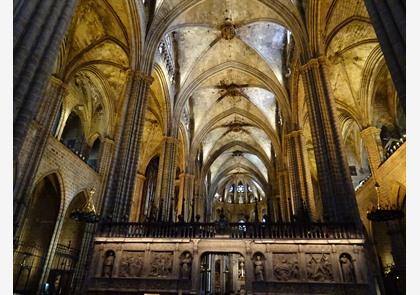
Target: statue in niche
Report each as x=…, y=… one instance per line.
x=259, y=268
x=347, y=268
x=286, y=267
x=319, y=269
x=241, y=268
x=108, y=264
x=186, y=260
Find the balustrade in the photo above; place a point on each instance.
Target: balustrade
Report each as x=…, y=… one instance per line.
x=229, y=230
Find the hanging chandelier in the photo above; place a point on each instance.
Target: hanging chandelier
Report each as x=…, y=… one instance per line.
x=87, y=213
x=381, y=213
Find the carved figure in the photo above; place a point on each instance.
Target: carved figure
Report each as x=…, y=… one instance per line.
x=186, y=266
x=241, y=268
x=347, y=268
x=259, y=268
x=319, y=269
x=286, y=267
x=161, y=264
x=108, y=264
x=131, y=265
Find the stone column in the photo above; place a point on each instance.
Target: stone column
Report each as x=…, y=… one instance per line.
x=121, y=187
x=137, y=198
x=337, y=192
x=284, y=190
x=372, y=142
x=87, y=246
x=38, y=28
x=398, y=248
x=188, y=196
x=167, y=188
x=180, y=203
x=388, y=20
x=300, y=176
x=34, y=146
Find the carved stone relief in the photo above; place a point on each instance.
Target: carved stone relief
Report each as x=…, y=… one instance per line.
x=285, y=266
x=161, y=263
x=131, y=264
x=318, y=267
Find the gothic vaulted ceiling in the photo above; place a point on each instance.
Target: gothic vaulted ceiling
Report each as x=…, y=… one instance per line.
x=230, y=61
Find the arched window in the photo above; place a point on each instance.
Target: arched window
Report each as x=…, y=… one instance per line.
x=94, y=154
x=73, y=133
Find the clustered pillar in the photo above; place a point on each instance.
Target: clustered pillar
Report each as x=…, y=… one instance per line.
x=121, y=187
x=372, y=142
x=337, y=192
x=36, y=141
x=300, y=177
x=38, y=29
x=388, y=20
x=284, y=190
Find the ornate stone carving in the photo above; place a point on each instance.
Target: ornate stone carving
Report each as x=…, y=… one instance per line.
x=241, y=268
x=185, y=270
x=285, y=266
x=319, y=268
x=161, y=263
x=259, y=267
x=131, y=264
x=108, y=264
x=347, y=268
x=228, y=29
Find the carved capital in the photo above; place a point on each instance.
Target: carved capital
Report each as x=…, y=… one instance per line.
x=170, y=139
x=312, y=63
x=295, y=133
x=140, y=76
x=57, y=82
x=141, y=176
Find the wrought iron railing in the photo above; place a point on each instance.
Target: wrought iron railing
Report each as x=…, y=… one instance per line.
x=230, y=230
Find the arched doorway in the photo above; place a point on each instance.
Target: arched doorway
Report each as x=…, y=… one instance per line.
x=222, y=273
x=66, y=255
x=41, y=218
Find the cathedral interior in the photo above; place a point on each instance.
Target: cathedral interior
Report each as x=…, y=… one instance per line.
x=209, y=147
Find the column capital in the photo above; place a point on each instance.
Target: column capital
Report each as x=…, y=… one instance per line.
x=313, y=62
x=141, y=76
x=170, y=139
x=370, y=130
x=186, y=175
x=108, y=140
x=140, y=175
x=295, y=133
x=282, y=172
x=54, y=80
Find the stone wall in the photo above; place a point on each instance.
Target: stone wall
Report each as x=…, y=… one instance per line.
x=122, y=265
x=74, y=174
